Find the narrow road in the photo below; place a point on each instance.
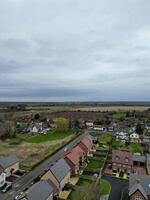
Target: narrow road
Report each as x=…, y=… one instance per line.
x=25, y=181
x=117, y=186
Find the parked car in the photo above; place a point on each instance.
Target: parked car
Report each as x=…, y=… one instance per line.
x=7, y=188
x=3, y=186
x=19, y=197
x=20, y=172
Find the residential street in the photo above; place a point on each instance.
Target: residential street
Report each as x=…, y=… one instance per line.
x=25, y=181
x=117, y=186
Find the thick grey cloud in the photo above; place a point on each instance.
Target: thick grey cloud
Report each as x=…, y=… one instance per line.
x=72, y=50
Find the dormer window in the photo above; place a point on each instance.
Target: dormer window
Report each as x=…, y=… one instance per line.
x=126, y=159
x=117, y=158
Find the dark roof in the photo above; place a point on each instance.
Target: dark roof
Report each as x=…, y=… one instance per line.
x=40, y=191
x=7, y=161
x=60, y=169
x=141, y=183
x=139, y=158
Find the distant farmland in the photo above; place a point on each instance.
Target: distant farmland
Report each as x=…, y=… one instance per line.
x=111, y=108
x=68, y=107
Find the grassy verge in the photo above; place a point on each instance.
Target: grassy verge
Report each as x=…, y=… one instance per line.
x=105, y=187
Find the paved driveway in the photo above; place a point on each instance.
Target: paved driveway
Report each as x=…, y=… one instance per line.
x=117, y=186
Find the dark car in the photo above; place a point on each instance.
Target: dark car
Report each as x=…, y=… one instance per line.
x=7, y=188
x=3, y=186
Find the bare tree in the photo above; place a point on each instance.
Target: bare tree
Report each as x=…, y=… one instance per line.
x=7, y=126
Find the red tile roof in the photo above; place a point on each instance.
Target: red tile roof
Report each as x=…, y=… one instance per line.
x=87, y=142
x=75, y=155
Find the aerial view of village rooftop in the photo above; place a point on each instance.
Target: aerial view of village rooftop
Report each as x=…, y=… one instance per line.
x=74, y=100
x=74, y=151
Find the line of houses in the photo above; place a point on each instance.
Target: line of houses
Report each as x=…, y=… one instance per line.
x=56, y=177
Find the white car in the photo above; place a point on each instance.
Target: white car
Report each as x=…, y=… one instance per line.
x=19, y=197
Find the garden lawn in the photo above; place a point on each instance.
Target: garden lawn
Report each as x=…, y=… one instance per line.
x=95, y=164
x=49, y=137
x=105, y=187
x=85, y=190
x=119, y=145
x=106, y=138
x=136, y=148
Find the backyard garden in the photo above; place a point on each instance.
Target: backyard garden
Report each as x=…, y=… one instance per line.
x=89, y=190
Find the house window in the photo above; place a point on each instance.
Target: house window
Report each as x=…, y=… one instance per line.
x=138, y=198
x=117, y=158
x=126, y=159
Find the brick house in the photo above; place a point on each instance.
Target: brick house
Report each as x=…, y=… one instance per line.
x=59, y=174
x=122, y=161
x=75, y=159
x=139, y=187
x=86, y=145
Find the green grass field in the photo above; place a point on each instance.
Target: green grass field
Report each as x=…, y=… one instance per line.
x=49, y=137
x=31, y=150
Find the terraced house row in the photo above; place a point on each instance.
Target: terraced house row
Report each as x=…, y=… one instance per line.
x=53, y=180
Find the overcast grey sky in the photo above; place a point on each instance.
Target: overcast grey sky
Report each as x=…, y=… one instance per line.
x=74, y=50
